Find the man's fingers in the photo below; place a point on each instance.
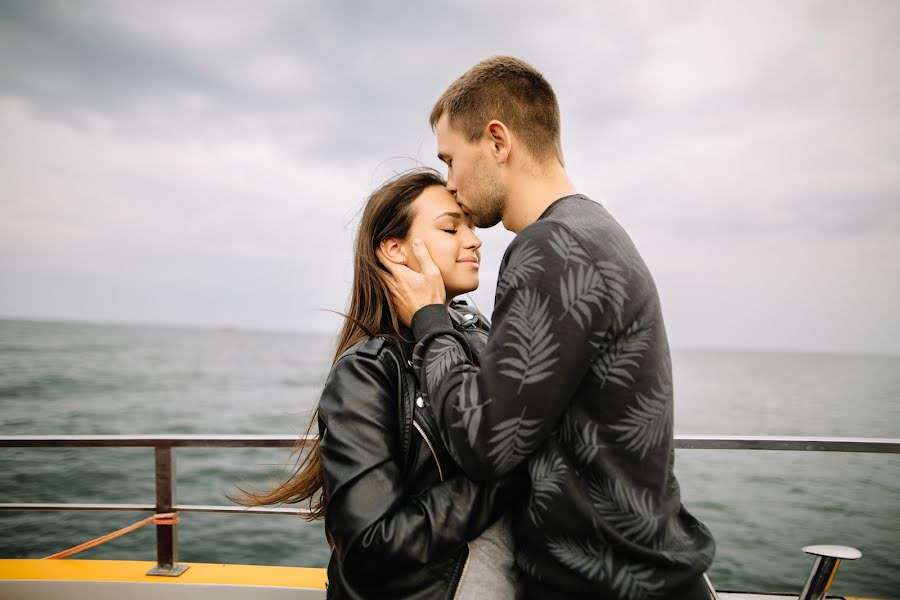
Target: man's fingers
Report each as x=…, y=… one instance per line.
x=392, y=286
x=425, y=262
x=392, y=292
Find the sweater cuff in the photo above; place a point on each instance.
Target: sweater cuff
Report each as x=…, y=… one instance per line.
x=431, y=319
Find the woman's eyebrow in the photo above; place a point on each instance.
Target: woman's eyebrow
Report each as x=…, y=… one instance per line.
x=455, y=215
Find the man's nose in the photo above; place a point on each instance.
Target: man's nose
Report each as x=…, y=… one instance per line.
x=451, y=184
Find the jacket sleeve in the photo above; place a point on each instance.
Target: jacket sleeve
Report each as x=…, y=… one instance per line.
x=375, y=527
x=550, y=298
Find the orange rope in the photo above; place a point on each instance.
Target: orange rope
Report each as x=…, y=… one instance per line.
x=159, y=519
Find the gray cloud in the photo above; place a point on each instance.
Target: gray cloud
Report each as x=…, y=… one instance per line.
x=146, y=143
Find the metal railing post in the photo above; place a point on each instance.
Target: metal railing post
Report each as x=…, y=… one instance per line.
x=166, y=538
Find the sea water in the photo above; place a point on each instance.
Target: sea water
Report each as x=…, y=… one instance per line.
x=762, y=506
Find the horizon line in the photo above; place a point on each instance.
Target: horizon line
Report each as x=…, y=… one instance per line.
x=289, y=330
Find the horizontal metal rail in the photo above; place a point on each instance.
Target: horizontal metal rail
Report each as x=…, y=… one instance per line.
x=152, y=441
x=194, y=508
x=164, y=448
x=694, y=442
x=790, y=443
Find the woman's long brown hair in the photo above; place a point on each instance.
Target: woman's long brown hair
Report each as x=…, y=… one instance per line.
x=388, y=213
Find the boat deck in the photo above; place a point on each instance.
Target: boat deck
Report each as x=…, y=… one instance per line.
x=38, y=579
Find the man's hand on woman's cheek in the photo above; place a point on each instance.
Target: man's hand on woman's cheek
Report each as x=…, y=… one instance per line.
x=411, y=290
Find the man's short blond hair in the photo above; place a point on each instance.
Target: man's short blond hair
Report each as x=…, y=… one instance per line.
x=511, y=91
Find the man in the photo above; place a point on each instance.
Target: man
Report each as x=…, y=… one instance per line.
x=575, y=383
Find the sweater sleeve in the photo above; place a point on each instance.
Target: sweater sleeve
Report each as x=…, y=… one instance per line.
x=551, y=299
x=377, y=528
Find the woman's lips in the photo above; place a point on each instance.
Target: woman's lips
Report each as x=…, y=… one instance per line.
x=470, y=260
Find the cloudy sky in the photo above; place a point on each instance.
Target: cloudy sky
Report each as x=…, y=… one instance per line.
x=203, y=163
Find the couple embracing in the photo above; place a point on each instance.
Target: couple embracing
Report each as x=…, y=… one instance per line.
x=531, y=457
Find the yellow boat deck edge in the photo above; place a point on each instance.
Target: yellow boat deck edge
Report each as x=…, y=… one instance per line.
x=135, y=572
x=127, y=571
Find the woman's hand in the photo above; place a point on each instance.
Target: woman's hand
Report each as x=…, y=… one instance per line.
x=410, y=290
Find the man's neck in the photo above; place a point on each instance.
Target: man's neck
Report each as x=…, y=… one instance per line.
x=531, y=194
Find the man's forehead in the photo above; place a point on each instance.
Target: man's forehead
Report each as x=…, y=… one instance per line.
x=443, y=122
x=444, y=131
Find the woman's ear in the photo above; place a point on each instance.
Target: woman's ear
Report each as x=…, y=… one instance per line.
x=393, y=251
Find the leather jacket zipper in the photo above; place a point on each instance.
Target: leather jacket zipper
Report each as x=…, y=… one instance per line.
x=430, y=447
x=463, y=575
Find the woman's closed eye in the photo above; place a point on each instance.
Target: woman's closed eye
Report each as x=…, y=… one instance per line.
x=451, y=231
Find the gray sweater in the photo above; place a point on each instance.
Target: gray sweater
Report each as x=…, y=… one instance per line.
x=575, y=385
x=490, y=572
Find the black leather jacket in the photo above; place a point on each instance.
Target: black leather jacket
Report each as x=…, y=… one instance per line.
x=399, y=510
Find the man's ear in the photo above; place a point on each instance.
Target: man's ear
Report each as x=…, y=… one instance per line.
x=393, y=250
x=501, y=140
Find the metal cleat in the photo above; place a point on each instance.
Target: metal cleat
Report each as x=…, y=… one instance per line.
x=828, y=559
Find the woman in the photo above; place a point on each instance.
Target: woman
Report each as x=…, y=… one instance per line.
x=401, y=518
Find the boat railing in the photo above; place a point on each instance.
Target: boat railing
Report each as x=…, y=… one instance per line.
x=164, y=450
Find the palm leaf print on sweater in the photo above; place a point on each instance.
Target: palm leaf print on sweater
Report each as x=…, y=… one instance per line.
x=628, y=510
x=594, y=562
x=469, y=407
x=590, y=286
x=617, y=353
x=568, y=248
x=584, y=440
x=530, y=354
x=526, y=565
x=526, y=265
x=443, y=354
x=547, y=473
x=513, y=439
x=648, y=422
